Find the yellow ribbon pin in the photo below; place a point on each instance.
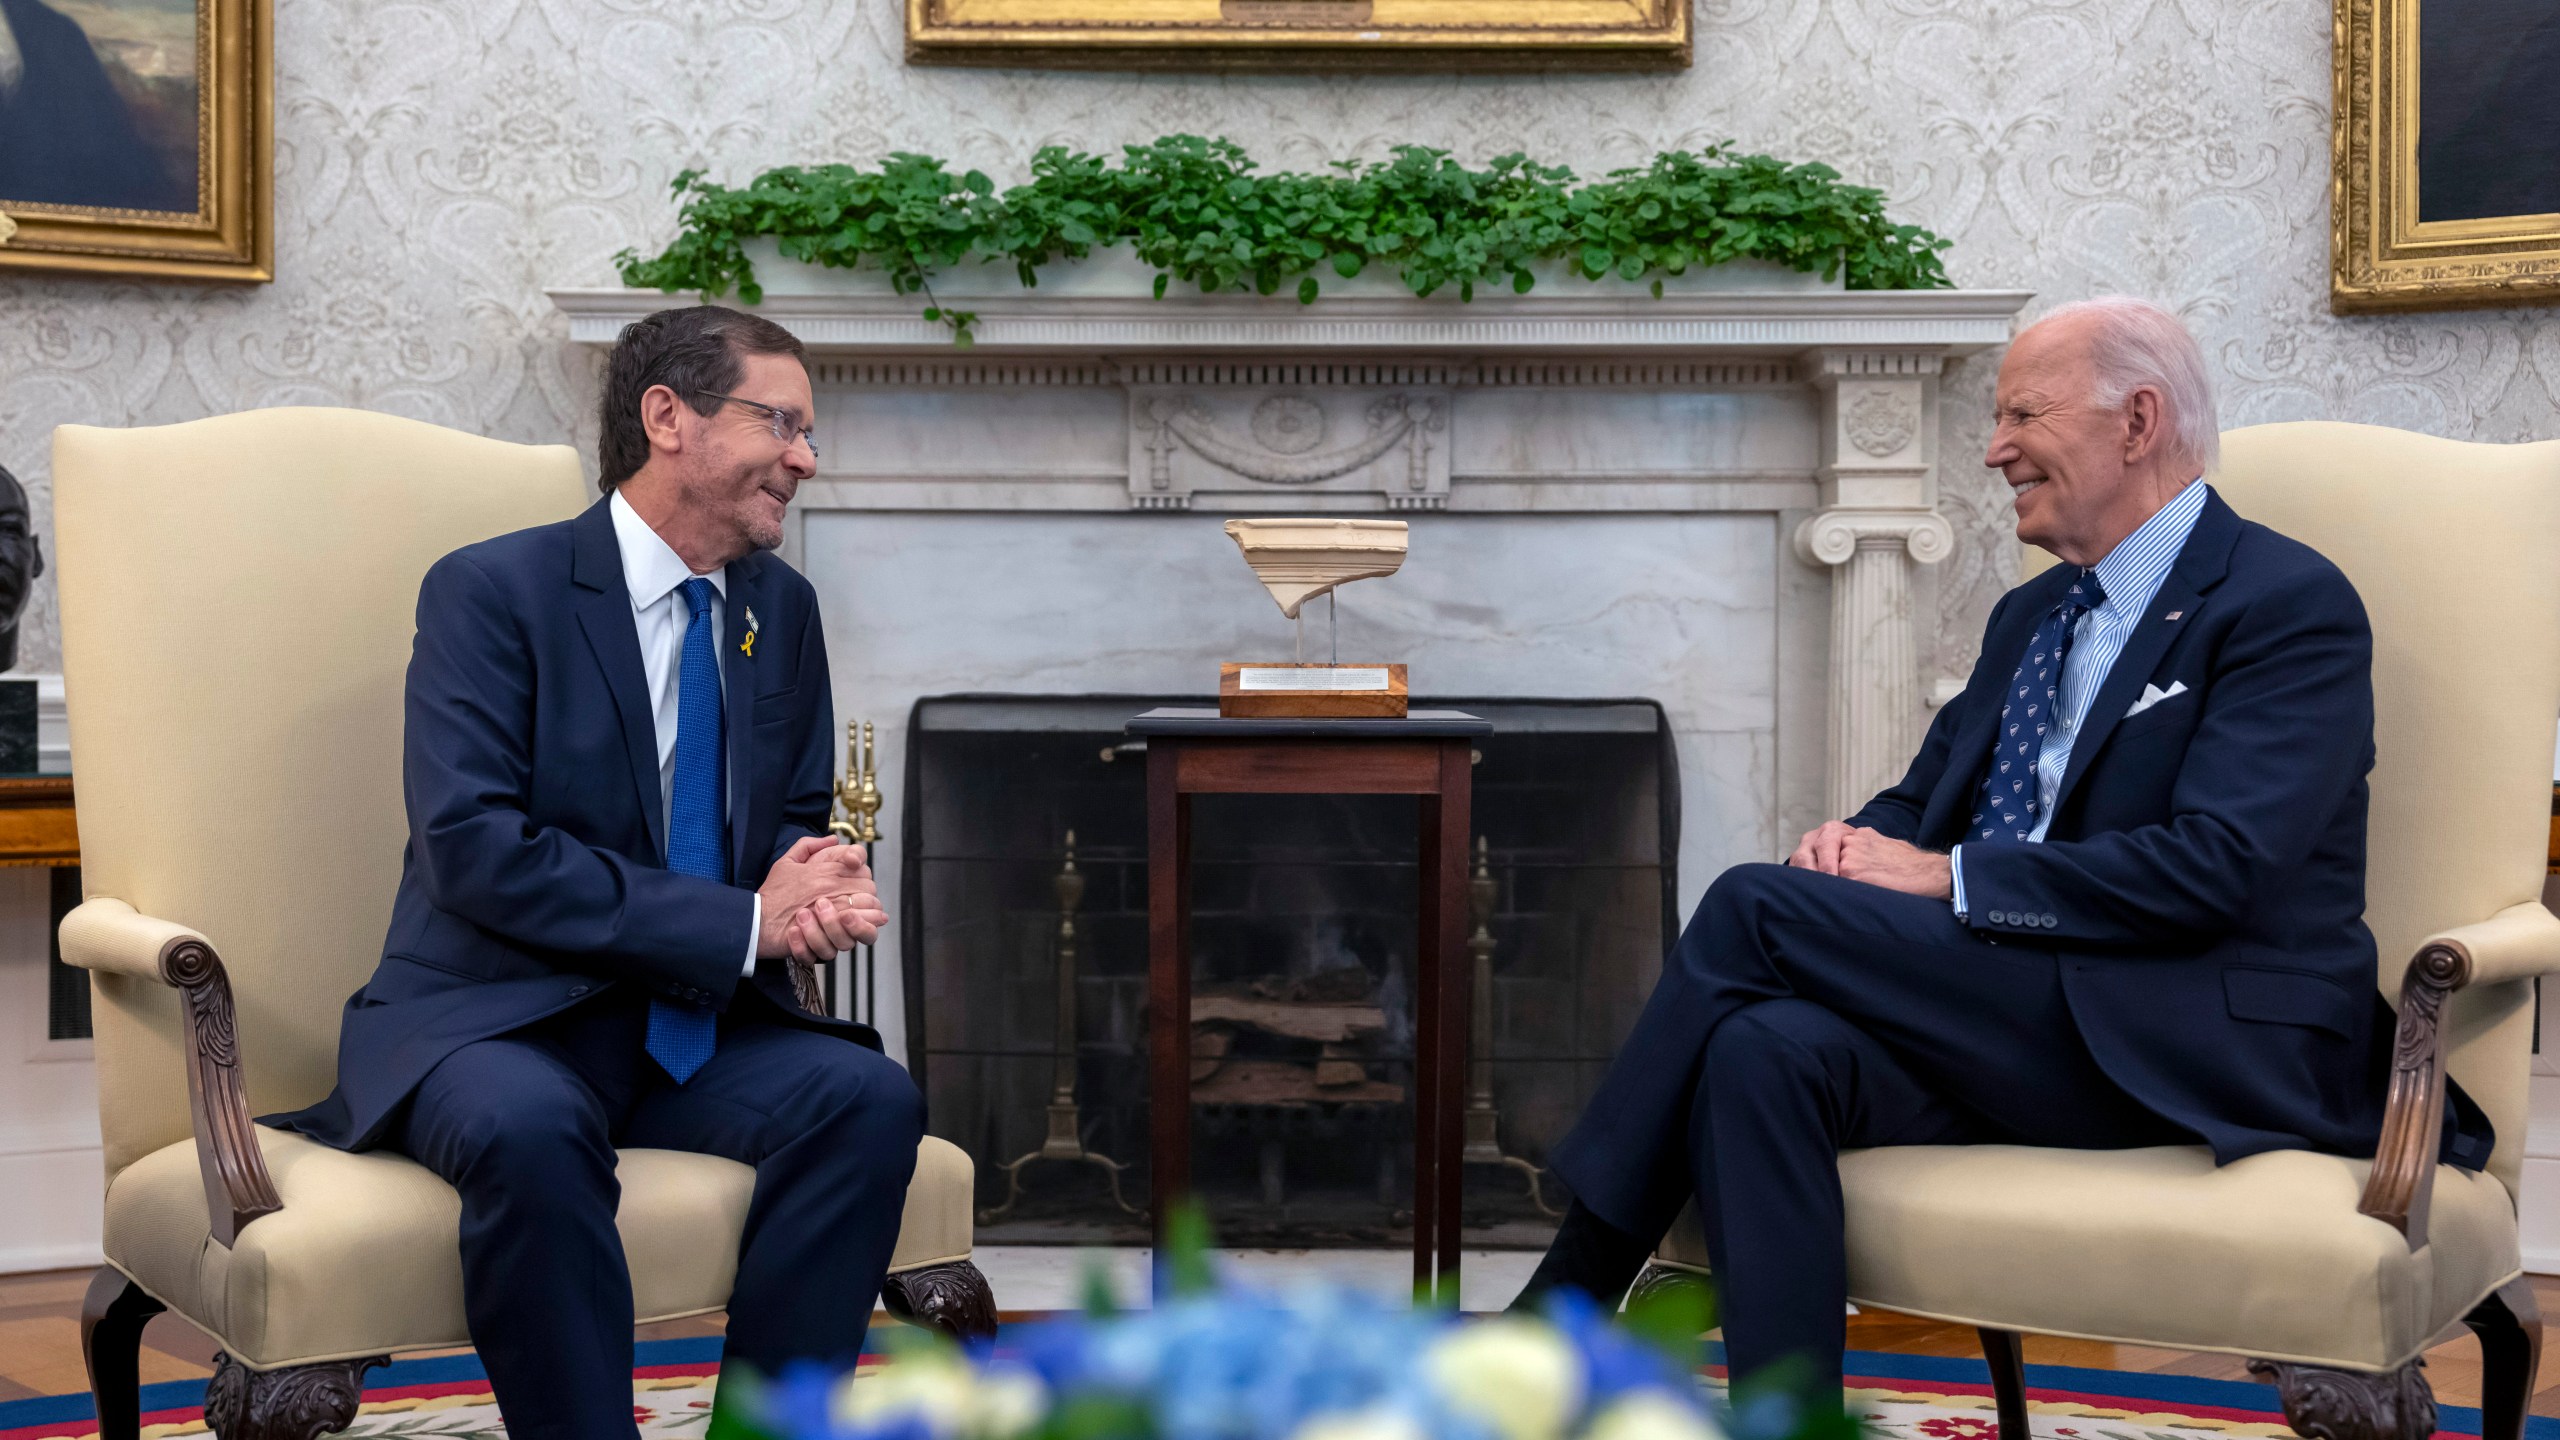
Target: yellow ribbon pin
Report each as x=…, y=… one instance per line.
x=747, y=647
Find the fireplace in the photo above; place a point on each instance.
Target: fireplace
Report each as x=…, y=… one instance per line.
x=1724, y=500
x=1303, y=938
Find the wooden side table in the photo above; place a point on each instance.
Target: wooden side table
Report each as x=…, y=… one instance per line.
x=37, y=825
x=1426, y=754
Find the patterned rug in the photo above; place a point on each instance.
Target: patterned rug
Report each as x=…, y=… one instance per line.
x=1901, y=1397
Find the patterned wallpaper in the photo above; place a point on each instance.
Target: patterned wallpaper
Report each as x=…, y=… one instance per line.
x=440, y=161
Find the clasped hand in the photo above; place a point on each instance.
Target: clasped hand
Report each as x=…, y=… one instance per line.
x=1838, y=848
x=819, y=899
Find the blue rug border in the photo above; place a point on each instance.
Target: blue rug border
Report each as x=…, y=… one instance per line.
x=438, y=1370
x=2166, y=1390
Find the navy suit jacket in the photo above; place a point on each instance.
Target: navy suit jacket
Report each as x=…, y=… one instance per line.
x=2202, y=881
x=535, y=876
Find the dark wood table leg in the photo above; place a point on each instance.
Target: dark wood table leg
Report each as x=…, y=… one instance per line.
x=1428, y=1038
x=1168, y=985
x=1449, y=880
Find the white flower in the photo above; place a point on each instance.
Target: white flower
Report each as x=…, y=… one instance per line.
x=1652, y=1415
x=1375, y=1423
x=1517, y=1375
x=1009, y=1401
x=943, y=1391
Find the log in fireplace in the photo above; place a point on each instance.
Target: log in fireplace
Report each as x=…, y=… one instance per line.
x=1023, y=909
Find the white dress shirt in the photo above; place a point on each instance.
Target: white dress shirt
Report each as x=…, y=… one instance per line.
x=2130, y=575
x=651, y=571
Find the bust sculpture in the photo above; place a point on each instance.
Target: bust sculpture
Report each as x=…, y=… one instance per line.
x=21, y=561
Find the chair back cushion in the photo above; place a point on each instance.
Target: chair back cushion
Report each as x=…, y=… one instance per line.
x=2455, y=548
x=237, y=599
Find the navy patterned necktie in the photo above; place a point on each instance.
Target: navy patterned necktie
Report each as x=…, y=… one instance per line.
x=681, y=1036
x=2010, y=798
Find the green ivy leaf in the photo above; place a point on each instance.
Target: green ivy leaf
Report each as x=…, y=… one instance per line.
x=1198, y=211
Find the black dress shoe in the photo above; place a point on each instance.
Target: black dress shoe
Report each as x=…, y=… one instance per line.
x=1590, y=1255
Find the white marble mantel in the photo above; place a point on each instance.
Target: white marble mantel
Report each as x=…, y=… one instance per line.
x=1714, y=498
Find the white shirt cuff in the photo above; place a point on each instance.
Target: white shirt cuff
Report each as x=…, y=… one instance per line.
x=755, y=927
x=1955, y=872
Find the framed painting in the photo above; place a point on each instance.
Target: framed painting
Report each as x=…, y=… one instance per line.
x=137, y=137
x=2445, y=189
x=1301, y=34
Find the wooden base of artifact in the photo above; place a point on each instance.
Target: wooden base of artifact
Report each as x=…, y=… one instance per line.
x=1322, y=692
x=953, y=1299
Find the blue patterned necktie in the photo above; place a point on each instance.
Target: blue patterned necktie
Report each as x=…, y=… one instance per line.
x=681, y=1036
x=2010, y=798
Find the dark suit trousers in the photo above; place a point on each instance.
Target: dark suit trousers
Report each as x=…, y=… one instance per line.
x=1801, y=1014
x=525, y=1126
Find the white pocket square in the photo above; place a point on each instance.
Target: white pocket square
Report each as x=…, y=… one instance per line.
x=2153, y=695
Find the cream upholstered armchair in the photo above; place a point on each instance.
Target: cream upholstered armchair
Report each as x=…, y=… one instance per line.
x=2331, y=1275
x=237, y=596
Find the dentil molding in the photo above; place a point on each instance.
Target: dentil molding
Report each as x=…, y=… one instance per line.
x=1542, y=325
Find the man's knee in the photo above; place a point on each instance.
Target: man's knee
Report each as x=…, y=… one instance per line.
x=859, y=1089
x=1740, y=889
x=525, y=1124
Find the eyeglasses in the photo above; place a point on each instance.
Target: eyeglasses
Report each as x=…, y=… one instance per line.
x=786, y=427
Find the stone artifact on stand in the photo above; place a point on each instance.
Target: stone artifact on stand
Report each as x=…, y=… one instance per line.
x=1297, y=560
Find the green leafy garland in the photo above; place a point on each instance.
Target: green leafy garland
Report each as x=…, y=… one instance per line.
x=1199, y=212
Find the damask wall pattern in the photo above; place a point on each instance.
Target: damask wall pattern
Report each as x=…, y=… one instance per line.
x=441, y=161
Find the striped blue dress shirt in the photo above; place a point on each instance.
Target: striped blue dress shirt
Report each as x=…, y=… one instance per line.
x=2130, y=575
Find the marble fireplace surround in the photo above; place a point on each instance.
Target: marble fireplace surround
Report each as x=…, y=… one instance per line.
x=1715, y=499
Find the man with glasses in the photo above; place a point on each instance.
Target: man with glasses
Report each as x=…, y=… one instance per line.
x=618, y=769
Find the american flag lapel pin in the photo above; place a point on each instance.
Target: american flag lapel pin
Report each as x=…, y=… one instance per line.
x=747, y=647
x=2172, y=615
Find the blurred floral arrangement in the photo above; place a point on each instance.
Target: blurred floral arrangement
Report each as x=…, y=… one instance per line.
x=1220, y=1360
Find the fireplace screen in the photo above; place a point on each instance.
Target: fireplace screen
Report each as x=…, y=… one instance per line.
x=1025, y=943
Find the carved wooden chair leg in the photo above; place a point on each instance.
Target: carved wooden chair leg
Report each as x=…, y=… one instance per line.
x=2509, y=1325
x=2008, y=1356
x=111, y=1319
x=2351, y=1404
x=303, y=1402
x=953, y=1299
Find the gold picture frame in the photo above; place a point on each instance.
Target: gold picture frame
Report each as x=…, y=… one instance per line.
x=2385, y=254
x=229, y=234
x=1301, y=34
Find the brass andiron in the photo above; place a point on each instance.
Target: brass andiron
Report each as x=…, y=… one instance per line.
x=1066, y=1139
x=857, y=823
x=1482, y=1145
x=858, y=794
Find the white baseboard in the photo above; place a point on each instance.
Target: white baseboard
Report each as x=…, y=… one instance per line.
x=57, y=1208
x=23, y=1259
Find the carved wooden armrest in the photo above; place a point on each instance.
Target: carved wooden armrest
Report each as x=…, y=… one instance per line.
x=109, y=936
x=2517, y=943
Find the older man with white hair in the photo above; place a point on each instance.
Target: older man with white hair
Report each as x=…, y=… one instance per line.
x=2117, y=900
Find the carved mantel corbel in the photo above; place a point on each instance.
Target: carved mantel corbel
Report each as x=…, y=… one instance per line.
x=1878, y=483
x=1874, y=702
